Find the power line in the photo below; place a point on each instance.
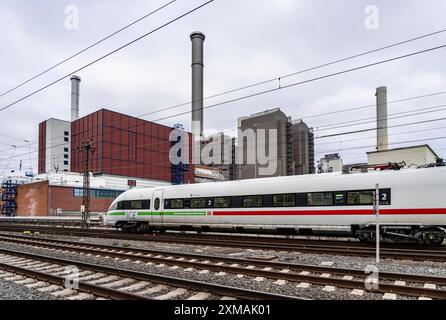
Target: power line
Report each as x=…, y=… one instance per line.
x=373, y=129
x=300, y=72
x=308, y=81
x=315, y=138
x=108, y=54
x=310, y=69
x=353, y=122
x=311, y=80
x=88, y=48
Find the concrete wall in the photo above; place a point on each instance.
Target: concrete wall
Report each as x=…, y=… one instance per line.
x=55, y=146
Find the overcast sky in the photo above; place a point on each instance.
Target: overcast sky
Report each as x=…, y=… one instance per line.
x=247, y=41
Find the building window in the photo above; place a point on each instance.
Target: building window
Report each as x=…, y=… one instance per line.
x=65, y=156
x=65, y=139
x=65, y=149
x=252, y=201
x=78, y=192
x=320, y=199
x=66, y=133
x=65, y=163
x=284, y=200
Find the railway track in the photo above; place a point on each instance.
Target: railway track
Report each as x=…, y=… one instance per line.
x=113, y=283
x=329, y=277
x=313, y=246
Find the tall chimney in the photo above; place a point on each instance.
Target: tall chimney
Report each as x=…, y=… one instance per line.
x=75, y=81
x=381, y=119
x=197, y=39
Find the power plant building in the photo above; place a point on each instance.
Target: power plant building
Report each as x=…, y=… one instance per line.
x=295, y=145
x=125, y=146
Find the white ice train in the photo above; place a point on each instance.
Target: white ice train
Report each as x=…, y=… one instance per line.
x=412, y=206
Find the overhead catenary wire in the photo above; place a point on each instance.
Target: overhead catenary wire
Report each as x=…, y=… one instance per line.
x=87, y=48
x=281, y=77
x=315, y=138
x=318, y=78
x=317, y=67
x=330, y=75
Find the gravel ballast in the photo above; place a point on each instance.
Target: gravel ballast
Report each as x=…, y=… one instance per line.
x=289, y=288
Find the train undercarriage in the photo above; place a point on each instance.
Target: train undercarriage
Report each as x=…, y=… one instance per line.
x=428, y=235
x=425, y=235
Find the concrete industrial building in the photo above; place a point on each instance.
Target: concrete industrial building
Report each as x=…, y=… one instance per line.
x=221, y=150
x=411, y=156
x=303, y=148
x=330, y=163
x=295, y=144
x=54, y=146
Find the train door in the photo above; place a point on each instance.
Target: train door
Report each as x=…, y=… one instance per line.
x=157, y=200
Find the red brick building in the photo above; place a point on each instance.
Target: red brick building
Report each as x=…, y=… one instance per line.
x=125, y=146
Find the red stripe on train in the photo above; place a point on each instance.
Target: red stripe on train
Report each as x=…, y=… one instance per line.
x=329, y=212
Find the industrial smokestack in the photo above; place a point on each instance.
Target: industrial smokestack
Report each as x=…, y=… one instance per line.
x=197, y=39
x=381, y=119
x=75, y=81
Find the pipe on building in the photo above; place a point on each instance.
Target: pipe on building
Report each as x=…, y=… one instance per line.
x=382, y=142
x=197, y=39
x=75, y=84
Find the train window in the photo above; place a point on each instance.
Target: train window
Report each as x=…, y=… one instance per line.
x=126, y=205
x=176, y=203
x=284, y=200
x=120, y=205
x=114, y=206
x=360, y=197
x=198, y=203
x=157, y=204
x=222, y=202
x=320, y=199
x=339, y=198
x=136, y=204
x=252, y=201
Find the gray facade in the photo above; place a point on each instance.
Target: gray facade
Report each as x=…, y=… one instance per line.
x=303, y=148
x=295, y=145
x=271, y=119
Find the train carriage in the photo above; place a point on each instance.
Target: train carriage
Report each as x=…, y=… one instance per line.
x=412, y=205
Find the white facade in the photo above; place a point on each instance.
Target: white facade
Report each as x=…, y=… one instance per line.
x=106, y=182
x=57, y=146
x=412, y=156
